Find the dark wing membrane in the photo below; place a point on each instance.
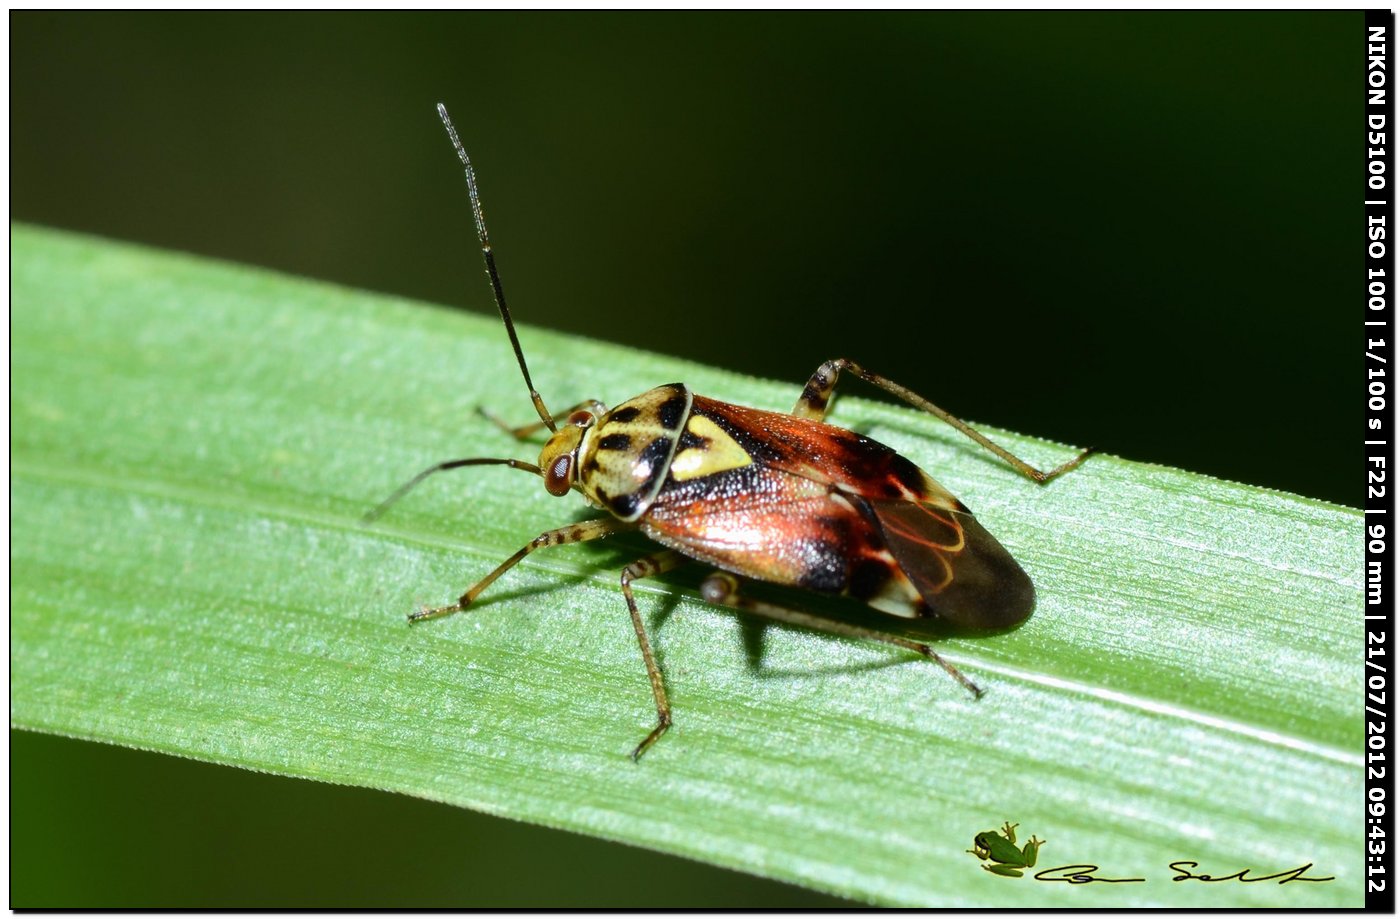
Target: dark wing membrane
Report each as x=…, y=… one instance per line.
x=962, y=572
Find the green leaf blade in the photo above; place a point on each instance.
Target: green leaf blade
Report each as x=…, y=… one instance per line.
x=193, y=445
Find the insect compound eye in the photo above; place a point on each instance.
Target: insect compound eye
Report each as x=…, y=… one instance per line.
x=559, y=476
x=581, y=418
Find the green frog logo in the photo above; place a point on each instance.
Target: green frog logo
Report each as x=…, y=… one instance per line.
x=999, y=851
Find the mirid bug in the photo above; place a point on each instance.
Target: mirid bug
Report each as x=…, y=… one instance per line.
x=786, y=499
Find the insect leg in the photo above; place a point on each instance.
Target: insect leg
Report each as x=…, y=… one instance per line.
x=525, y=430
x=645, y=568
x=813, y=402
x=574, y=532
x=723, y=588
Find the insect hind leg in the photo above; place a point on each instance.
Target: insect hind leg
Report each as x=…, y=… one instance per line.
x=812, y=404
x=816, y=396
x=649, y=566
x=723, y=588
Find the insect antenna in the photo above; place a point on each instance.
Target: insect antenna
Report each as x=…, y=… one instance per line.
x=480, y=218
x=408, y=486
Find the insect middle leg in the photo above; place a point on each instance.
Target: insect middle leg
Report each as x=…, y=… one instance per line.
x=575, y=532
x=812, y=404
x=654, y=564
x=723, y=588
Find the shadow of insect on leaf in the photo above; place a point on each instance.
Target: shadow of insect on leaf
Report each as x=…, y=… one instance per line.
x=755, y=637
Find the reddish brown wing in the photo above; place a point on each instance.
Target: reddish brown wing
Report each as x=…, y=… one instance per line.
x=824, y=453
x=808, y=504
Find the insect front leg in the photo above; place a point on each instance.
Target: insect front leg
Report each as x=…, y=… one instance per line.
x=644, y=568
x=576, y=532
x=525, y=430
x=812, y=405
x=723, y=588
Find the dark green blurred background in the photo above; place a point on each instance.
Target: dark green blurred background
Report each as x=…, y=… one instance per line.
x=1140, y=231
